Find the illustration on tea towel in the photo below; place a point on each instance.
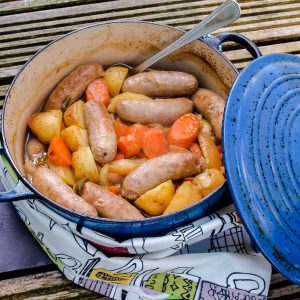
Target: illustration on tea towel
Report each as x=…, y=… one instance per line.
x=211, y=258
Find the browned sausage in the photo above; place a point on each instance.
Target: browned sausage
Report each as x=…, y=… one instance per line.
x=108, y=204
x=48, y=183
x=35, y=151
x=102, y=136
x=161, y=111
x=73, y=86
x=211, y=106
x=160, y=169
x=34, y=147
x=161, y=84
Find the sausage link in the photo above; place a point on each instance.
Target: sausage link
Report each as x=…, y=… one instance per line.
x=161, y=84
x=160, y=169
x=73, y=85
x=48, y=183
x=102, y=136
x=34, y=148
x=211, y=106
x=108, y=204
x=36, y=152
x=161, y=111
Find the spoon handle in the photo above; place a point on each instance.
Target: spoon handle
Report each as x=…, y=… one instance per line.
x=224, y=14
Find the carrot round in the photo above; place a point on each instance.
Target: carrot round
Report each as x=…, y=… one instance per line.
x=98, y=91
x=139, y=131
x=59, y=153
x=129, y=145
x=155, y=143
x=184, y=131
x=120, y=129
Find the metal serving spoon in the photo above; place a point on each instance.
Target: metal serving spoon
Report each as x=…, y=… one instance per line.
x=223, y=15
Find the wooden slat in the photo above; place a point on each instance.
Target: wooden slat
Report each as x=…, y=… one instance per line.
x=291, y=291
x=20, y=6
x=3, y=90
x=23, y=39
x=242, y=57
x=111, y=6
x=47, y=285
x=8, y=72
x=12, y=61
x=100, y=16
x=53, y=285
x=177, y=7
x=31, y=50
x=238, y=27
x=278, y=279
x=33, y=4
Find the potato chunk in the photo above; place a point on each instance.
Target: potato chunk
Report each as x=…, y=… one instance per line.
x=125, y=166
x=155, y=201
x=208, y=181
x=75, y=137
x=115, y=76
x=187, y=194
x=74, y=115
x=84, y=165
x=65, y=173
x=46, y=125
x=127, y=95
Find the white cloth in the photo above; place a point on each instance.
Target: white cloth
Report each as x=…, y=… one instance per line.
x=209, y=259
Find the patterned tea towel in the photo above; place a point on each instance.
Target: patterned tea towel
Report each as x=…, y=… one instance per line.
x=209, y=259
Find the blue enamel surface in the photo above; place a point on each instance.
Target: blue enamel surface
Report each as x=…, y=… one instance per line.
x=261, y=138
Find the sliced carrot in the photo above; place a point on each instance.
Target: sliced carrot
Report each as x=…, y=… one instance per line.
x=139, y=131
x=184, y=131
x=129, y=145
x=114, y=189
x=121, y=129
x=98, y=91
x=155, y=143
x=59, y=153
x=119, y=156
x=195, y=148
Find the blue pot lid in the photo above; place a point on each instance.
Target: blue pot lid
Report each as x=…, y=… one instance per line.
x=261, y=138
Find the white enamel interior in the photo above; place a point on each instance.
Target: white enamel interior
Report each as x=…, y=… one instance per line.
x=108, y=43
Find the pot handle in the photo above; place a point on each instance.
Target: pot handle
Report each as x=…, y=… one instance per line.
x=238, y=38
x=11, y=187
x=19, y=192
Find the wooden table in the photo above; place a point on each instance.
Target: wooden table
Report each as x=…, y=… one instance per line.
x=26, y=26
